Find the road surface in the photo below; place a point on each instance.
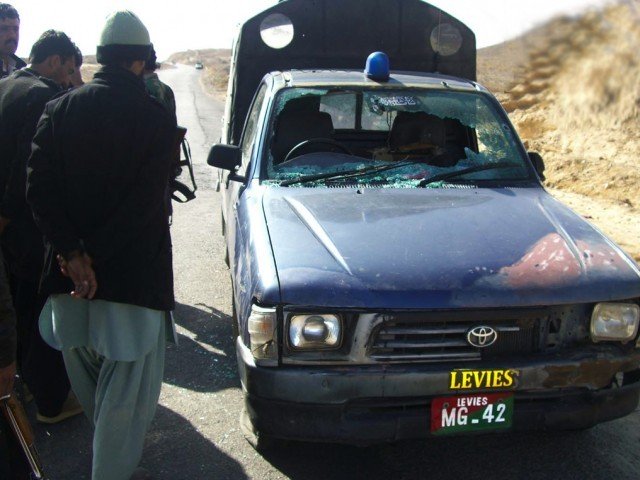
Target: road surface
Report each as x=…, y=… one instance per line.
x=195, y=434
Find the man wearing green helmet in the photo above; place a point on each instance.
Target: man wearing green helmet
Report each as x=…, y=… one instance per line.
x=108, y=273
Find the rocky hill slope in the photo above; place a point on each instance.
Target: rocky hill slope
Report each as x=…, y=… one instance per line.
x=577, y=102
x=572, y=90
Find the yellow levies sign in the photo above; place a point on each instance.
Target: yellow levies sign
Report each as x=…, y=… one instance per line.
x=474, y=379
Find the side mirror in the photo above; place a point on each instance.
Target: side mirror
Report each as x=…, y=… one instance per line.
x=227, y=157
x=538, y=163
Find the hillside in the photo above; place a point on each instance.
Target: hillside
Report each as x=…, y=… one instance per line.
x=578, y=104
x=572, y=90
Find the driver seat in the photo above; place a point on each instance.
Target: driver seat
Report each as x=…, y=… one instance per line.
x=295, y=126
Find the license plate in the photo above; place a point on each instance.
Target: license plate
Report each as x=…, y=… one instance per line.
x=471, y=413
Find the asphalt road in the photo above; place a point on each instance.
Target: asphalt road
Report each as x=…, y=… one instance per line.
x=195, y=434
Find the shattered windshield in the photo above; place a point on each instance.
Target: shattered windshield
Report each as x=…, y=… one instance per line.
x=400, y=138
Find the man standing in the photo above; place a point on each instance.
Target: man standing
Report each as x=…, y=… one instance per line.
x=156, y=88
x=11, y=463
x=7, y=335
x=9, y=36
x=98, y=172
x=76, y=78
x=23, y=95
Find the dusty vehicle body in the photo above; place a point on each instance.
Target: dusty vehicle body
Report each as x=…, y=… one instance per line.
x=385, y=291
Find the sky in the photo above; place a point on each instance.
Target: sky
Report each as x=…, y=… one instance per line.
x=199, y=24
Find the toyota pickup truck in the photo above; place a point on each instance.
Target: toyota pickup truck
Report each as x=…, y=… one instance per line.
x=398, y=268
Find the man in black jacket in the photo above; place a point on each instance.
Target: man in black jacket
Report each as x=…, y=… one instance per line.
x=23, y=96
x=11, y=462
x=98, y=172
x=7, y=335
x=9, y=37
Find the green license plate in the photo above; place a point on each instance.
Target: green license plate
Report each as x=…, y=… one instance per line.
x=471, y=413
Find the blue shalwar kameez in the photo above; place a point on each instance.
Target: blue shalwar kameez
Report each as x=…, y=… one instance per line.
x=114, y=354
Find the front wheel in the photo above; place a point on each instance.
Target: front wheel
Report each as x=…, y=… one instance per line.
x=259, y=441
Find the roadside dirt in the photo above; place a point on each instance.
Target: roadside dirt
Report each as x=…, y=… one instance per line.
x=572, y=90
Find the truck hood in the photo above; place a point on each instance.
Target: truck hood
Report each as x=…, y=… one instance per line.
x=439, y=249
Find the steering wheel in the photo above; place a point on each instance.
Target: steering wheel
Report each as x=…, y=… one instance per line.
x=311, y=141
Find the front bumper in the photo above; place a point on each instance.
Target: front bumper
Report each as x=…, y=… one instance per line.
x=369, y=404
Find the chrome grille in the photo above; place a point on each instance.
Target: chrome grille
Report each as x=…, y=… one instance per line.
x=431, y=336
x=440, y=340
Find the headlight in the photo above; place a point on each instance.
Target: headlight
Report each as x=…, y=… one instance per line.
x=615, y=322
x=315, y=331
x=262, y=335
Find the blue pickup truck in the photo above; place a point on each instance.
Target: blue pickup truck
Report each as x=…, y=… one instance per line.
x=398, y=268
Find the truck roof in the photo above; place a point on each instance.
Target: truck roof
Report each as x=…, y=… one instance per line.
x=320, y=78
x=340, y=34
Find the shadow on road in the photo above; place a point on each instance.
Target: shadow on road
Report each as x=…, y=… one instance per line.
x=65, y=448
x=172, y=445
x=205, y=359
x=176, y=450
x=484, y=457
x=536, y=456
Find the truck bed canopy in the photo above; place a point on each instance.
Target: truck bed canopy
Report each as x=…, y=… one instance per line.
x=339, y=35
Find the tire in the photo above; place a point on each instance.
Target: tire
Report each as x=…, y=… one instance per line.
x=260, y=442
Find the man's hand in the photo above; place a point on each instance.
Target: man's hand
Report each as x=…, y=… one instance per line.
x=78, y=267
x=7, y=375
x=3, y=223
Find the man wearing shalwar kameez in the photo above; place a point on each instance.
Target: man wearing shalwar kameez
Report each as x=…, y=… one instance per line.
x=98, y=172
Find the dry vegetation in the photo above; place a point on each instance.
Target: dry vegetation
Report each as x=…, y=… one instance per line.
x=572, y=89
x=573, y=93
x=578, y=103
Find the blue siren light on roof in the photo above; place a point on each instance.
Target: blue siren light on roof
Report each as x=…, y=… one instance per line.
x=377, y=67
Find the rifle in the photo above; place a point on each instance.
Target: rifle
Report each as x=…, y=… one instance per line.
x=21, y=428
x=181, y=146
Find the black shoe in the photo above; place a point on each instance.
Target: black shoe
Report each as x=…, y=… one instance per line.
x=70, y=408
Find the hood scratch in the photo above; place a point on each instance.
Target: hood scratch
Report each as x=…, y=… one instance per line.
x=569, y=242
x=307, y=218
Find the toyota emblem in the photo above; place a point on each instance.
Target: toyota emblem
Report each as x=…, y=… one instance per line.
x=482, y=337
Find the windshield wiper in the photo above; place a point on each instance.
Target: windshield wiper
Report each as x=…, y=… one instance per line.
x=478, y=168
x=356, y=172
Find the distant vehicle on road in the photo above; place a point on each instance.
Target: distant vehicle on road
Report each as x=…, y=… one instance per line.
x=398, y=269
x=199, y=66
